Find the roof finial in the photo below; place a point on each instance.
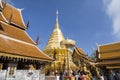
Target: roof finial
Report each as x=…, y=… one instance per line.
x=57, y=15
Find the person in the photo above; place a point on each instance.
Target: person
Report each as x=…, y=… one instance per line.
x=83, y=75
x=117, y=73
x=94, y=77
x=61, y=75
x=77, y=75
x=101, y=77
x=48, y=73
x=65, y=73
x=56, y=72
x=78, y=72
x=73, y=73
x=111, y=75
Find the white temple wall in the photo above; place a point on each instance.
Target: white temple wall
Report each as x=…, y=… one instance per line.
x=22, y=75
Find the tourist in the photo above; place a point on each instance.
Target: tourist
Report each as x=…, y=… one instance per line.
x=111, y=75
x=77, y=75
x=94, y=77
x=56, y=72
x=65, y=73
x=61, y=75
x=100, y=77
x=48, y=73
x=73, y=73
x=83, y=75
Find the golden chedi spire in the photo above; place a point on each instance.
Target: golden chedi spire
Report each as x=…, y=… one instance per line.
x=56, y=36
x=57, y=51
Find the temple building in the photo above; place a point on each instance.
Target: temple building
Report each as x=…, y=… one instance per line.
x=57, y=51
x=108, y=59
x=84, y=63
x=17, y=50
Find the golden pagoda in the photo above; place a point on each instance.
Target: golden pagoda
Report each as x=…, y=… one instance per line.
x=55, y=38
x=57, y=51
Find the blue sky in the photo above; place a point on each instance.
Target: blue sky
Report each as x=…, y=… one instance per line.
x=86, y=21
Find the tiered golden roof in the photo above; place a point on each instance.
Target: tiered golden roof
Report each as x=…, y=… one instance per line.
x=109, y=55
x=55, y=38
x=109, y=51
x=14, y=41
x=81, y=53
x=15, y=32
x=13, y=47
x=13, y=15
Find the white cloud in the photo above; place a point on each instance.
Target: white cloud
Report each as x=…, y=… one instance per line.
x=113, y=10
